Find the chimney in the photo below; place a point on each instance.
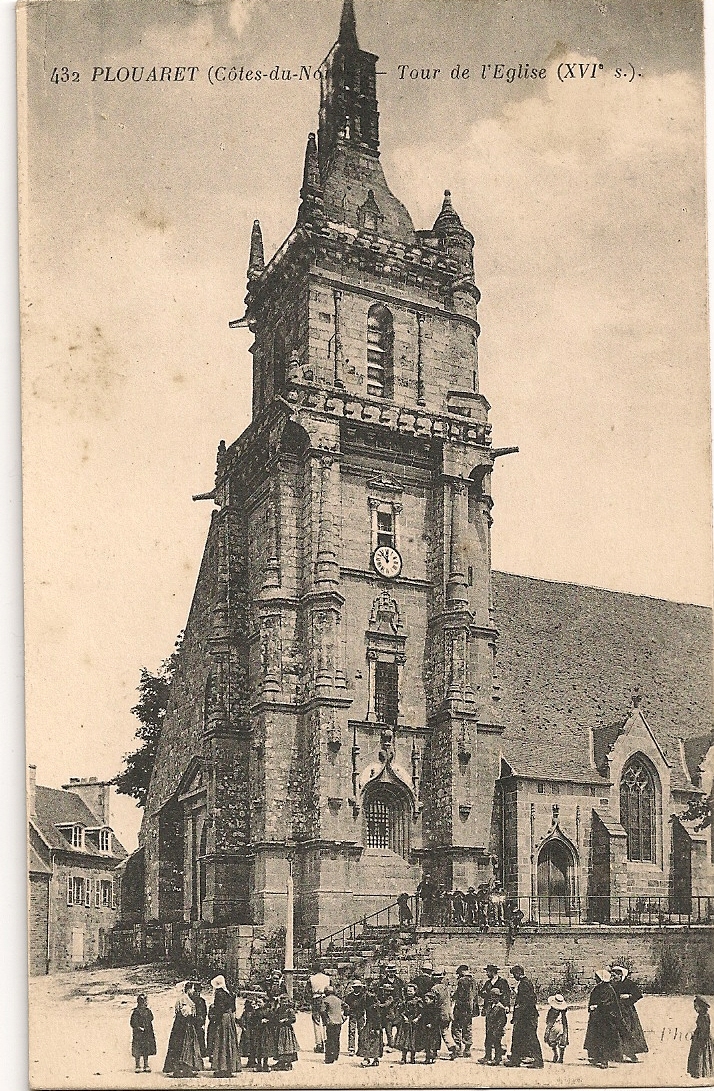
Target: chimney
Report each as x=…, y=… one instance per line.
x=32, y=790
x=95, y=793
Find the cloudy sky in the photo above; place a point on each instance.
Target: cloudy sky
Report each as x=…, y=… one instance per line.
x=586, y=201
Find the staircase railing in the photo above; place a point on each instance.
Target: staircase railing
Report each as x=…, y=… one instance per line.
x=389, y=916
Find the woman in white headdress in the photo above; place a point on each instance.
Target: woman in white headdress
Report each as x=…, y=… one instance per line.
x=226, y=1043
x=183, y=1056
x=603, y=1038
x=628, y=994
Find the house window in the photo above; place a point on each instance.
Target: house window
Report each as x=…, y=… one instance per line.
x=76, y=890
x=380, y=352
x=386, y=820
x=637, y=810
x=386, y=692
x=106, y=889
x=105, y=840
x=77, y=837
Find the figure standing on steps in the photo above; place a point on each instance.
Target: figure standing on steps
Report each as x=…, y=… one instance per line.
x=405, y=914
x=556, y=1027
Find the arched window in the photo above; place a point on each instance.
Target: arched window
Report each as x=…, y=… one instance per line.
x=386, y=820
x=638, y=810
x=380, y=352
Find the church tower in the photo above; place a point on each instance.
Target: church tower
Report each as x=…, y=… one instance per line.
x=348, y=722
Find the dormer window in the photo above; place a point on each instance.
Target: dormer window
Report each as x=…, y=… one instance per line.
x=77, y=837
x=105, y=840
x=380, y=352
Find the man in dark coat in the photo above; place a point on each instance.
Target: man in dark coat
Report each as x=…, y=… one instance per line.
x=465, y=1001
x=525, y=1047
x=603, y=1038
x=628, y=994
x=405, y=914
x=459, y=906
x=471, y=904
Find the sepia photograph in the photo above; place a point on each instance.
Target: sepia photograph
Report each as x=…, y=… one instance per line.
x=367, y=543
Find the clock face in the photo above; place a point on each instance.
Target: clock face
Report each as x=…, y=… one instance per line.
x=387, y=562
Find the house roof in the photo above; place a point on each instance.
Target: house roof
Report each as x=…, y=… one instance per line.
x=571, y=657
x=35, y=865
x=56, y=807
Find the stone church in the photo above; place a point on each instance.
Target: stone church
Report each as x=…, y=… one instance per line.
x=360, y=698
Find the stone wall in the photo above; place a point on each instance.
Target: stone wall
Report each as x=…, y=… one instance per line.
x=674, y=959
x=39, y=904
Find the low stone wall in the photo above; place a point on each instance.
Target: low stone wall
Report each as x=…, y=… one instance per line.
x=672, y=959
x=669, y=959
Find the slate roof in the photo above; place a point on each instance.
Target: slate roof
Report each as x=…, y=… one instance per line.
x=695, y=750
x=35, y=865
x=570, y=658
x=55, y=807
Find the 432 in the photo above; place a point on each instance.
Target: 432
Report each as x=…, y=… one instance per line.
x=64, y=75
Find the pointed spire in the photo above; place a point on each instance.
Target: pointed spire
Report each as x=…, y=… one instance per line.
x=256, y=262
x=310, y=210
x=348, y=26
x=448, y=219
x=311, y=182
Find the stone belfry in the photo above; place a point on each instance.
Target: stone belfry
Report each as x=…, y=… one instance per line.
x=351, y=646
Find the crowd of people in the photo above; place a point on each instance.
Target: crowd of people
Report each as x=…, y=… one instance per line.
x=477, y=907
x=387, y=1013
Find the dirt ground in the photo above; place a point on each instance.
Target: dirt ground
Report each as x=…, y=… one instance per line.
x=80, y=1038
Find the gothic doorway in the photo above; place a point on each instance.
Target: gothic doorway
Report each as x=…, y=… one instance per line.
x=556, y=882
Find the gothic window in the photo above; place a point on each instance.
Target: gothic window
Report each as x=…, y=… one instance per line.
x=105, y=842
x=638, y=809
x=386, y=820
x=386, y=692
x=380, y=352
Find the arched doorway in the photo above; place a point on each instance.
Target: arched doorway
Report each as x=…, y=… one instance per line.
x=556, y=881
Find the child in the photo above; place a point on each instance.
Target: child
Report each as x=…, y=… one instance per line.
x=410, y=1015
x=556, y=1027
x=700, y=1063
x=430, y=1028
x=286, y=1044
x=143, y=1042
x=249, y=1025
x=496, y=1017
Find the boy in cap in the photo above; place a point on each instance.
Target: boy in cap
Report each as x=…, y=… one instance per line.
x=496, y=1018
x=465, y=1008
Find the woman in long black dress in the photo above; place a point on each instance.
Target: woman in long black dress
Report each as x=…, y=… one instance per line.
x=226, y=1051
x=603, y=1038
x=628, y=994
x=525, y=1047
x=409, y=1012
x=183, y=1056
x=200, y=1017
x=700, y=1063
x=370, y=1045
